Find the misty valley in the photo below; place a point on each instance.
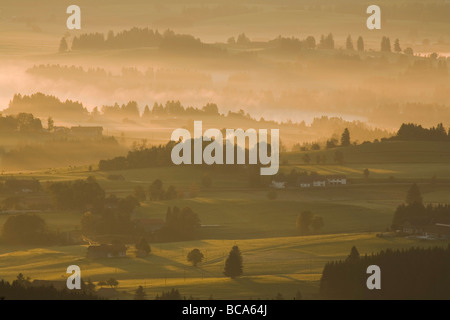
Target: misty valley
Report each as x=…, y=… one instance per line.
x=225, y=151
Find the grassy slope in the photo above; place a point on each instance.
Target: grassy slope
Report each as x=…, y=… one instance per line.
x=267, y=271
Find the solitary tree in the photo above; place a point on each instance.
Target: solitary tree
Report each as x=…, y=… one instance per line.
x=349, y=43
x=143, y=247
x=140, y=294
x=397, y=46
x=385, y=44
x=195, y=256
x=360, y=44
x=63, y=47
x=413, y=196
x=345, y=138
x=233, y=264
x=50, y=124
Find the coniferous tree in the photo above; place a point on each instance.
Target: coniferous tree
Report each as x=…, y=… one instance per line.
x=345, y=138
x=233, y=264
x=349, y=43
x=413, y=196
x=397, y=46
x=360, y=44
x=140, y=294
x=63, y=47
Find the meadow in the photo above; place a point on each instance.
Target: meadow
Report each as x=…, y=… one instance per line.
x=276, y=258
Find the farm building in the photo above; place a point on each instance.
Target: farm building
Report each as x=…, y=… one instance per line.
x=321, y=181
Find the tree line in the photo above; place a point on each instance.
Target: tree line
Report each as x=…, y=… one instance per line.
x=415, y=273
x=415, y=132
x=138, y=38
x=414, y=211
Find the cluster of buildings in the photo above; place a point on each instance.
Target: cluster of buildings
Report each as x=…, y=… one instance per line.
x=314, y=181
x=429, y=231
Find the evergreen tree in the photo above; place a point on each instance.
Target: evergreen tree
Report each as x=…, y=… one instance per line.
x=349, y=43
x=360, y=44
x=140, y=294
x=233, y=264
x=413, y=196
x=385, y=44
x=353, y=256
x=63, y=47
x=397, y=46
x=345, y=138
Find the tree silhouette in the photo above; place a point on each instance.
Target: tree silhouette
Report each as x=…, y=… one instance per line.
x=195, y=256
x=233, y=264
x=349, y=43
x=353, y=256
x=385, y=44
x=143, y=246
x=63, y=47
x=360, y=44
x=345, y=138
x=397, y=46
x=140, y=294
x=413, y=195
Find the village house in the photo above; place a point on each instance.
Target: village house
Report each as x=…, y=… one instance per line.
x=430, y=231
x=106, y=251
x=278, y=184
x=321, y=181
x=334, y=180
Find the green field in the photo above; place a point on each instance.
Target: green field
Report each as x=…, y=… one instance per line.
x=271, y=265
x=276, y=258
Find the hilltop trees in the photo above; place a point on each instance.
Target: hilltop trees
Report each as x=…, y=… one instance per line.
x=416, y=273
x=233, y=264
x=326, y=42
x=411, y=131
